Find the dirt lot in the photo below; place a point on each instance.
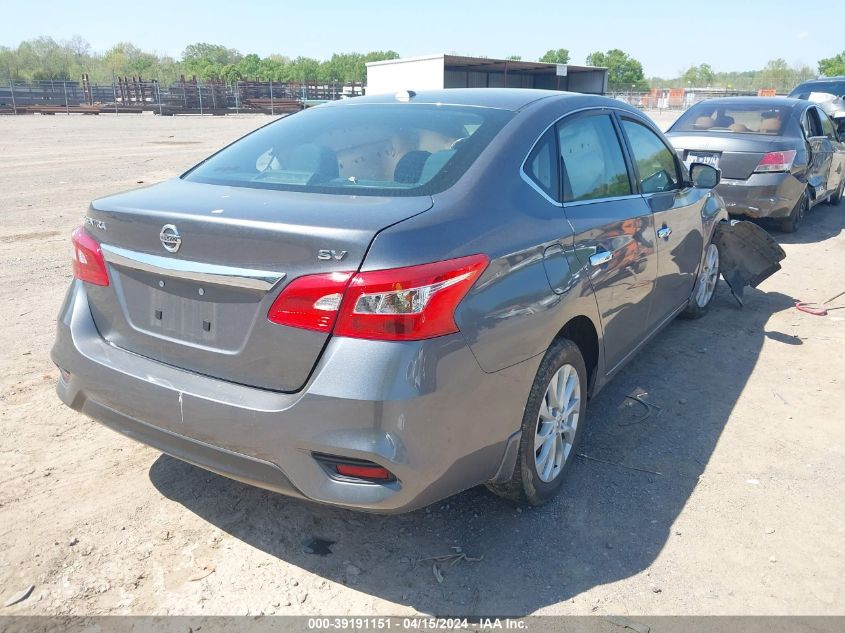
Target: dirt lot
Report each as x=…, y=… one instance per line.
x=727, y=499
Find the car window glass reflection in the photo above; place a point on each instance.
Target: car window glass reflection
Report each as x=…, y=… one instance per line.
x=740, y=119
x=373, y=149
x=827, y=126
x=592, y=159
x=655, y=163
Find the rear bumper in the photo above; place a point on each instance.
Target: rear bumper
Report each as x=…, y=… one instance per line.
x=762, y=195
x=424, y=410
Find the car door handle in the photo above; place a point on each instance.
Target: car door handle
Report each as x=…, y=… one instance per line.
x=664, y=232
x=601, y=258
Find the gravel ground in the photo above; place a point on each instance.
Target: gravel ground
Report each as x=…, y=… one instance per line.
x=727, y=499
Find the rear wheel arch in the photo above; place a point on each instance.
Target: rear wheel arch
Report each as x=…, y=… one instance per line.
x=582, y=331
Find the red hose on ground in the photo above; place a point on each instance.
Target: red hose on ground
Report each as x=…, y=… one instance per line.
x=810, y=308
x=816, y=309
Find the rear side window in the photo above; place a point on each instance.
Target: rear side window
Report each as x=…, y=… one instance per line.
x=397, y=149
x=542, y=166
x=592, y=159
x=656, y=167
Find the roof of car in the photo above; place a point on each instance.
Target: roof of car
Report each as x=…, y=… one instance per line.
x=765, y=101
x=503, y=98
x=823, y=80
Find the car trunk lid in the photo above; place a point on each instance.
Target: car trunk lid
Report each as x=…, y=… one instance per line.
x=735, y=154
x=194, y=269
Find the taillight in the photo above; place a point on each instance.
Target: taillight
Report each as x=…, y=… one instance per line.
x=398, y=304
x=776, y=161
x=406, y=304
x=88, y=262
x=310, y=302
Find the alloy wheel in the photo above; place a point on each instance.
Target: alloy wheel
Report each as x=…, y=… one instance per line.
x=708, y=277
x=557, y=422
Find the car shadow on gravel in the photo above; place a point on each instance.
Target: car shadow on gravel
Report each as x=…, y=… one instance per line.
x=638, y=468
x=823, y=222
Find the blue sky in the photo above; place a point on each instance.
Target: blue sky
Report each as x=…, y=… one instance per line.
x=665, y=36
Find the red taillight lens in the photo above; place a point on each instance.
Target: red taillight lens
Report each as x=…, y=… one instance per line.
x=406, y=304
x=88, y=262
x=310, y=302
x=399, y=304
x=776, y=161
x=364, y=472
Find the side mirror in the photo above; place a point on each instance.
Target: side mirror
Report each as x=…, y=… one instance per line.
x=704, y=176
x=840, y=128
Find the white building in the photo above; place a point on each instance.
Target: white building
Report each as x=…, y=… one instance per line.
x=434, y=72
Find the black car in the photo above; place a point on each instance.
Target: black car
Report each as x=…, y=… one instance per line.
x=829, y=94
x=778, y=156
x=829, y=85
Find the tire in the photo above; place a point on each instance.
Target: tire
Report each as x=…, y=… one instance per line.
x=837, y=196
x=531, y=483
x=705, y=285
x=791, y=223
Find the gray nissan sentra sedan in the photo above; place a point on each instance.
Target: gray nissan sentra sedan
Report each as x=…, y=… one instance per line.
x=383, y=301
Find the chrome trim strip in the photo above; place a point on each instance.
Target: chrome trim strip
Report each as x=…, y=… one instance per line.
x=192, y=271
x=535, y=186
x=627, y=196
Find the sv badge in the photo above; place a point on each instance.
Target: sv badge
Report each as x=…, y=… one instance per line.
x=327, y=255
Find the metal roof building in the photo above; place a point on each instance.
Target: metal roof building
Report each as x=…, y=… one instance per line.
x=434, y=72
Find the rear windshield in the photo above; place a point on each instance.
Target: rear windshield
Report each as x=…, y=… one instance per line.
x=804, y=91
x=377, y=149
x=740, y=118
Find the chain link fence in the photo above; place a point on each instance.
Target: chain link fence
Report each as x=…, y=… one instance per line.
x=134, y=95
x=680, y=99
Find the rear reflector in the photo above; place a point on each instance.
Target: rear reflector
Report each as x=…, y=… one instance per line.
x=364, y=472
x=398, y=304
x=776, y=161
x=349, y=467
x=88, y=262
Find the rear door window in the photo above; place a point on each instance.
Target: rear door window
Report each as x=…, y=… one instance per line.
x=656, y=167
x=827, y=126
x=811, y=123
x=592, y=162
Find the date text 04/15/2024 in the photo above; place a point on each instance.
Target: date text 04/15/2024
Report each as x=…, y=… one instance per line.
x=414, y=623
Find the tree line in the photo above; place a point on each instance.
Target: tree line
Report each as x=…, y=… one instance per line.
x=45, y=58
x=777, y=74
